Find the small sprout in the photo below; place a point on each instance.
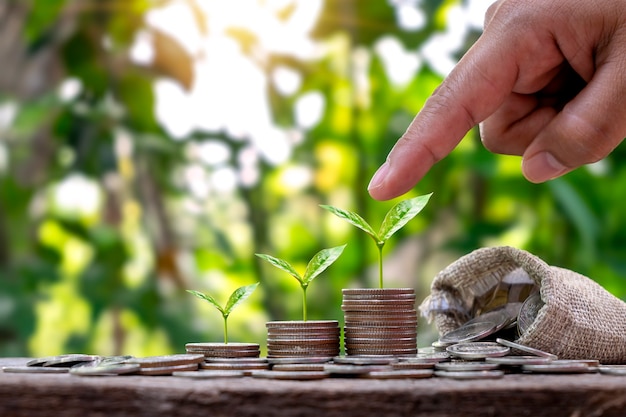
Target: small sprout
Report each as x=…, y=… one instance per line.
x=238, y=296
x=396, y=218
x=322, y=260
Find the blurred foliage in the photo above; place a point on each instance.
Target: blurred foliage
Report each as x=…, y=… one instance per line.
x=101, y=232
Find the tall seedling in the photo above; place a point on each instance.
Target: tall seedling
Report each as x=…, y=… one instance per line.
x=394, y=220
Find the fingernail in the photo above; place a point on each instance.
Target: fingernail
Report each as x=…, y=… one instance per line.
x=379, y=177
x=542, y=166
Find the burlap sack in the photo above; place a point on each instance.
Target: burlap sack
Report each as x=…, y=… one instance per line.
x=580, y=319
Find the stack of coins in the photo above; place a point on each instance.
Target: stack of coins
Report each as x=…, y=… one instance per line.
x=300, y=339
x=225, y=350
x=380, y=321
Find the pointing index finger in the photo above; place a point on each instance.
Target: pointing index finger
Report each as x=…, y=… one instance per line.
x=473, y=90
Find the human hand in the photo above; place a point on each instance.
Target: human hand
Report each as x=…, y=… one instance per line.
x=547, y=79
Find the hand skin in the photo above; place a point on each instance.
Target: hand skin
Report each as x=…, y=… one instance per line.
x=546, y=81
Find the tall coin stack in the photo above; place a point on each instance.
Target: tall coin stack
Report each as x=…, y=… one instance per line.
x=380, y=321
x=296, y=339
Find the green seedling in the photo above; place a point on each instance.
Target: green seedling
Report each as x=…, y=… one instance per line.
x=238, y=296
x=394, y=220
x=322, y=260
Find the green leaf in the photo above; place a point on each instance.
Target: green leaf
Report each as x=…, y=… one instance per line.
x=208, y=298
x=400, y=214
x=280, y=264
x=353, y=219
x=322, y=260
x=239, y=295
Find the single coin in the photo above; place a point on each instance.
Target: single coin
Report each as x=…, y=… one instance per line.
x=465, y=366
x=470, y=374
x=167, y=370
x=440, y=346
x=289, y=375
x=526, y=349
x=43, y=360
x=70, y=360
x=617, y=370
x=477, y=350
x=345, y=369
x=34, y=370
x=519, y=360
x=111, y=369
x=167, y=360
x=297, y=367
x=469, y=332
x=365, y=360
x=400, y=374
x=216, y=374
x=431, y=358
x=560, y=368
x=588, y=362
x=304, y=359
x=528, y=312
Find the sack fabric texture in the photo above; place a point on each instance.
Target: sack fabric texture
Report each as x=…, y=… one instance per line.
x=579, y=318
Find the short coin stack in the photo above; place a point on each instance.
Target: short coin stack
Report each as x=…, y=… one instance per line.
x=380, y=321
x=301, y=339
x=225, y=350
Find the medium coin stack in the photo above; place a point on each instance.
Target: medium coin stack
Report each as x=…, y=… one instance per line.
x=300, y=339
x=380, y=321
x=225, y=350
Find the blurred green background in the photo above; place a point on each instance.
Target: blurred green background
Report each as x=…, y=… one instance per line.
x=148, y=147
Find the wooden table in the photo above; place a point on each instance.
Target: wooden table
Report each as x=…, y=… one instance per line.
x=514, y=395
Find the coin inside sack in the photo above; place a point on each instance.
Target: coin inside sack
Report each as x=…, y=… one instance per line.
x=469, y=332
x=528, y=312
x=526, y=349
x=477, y=350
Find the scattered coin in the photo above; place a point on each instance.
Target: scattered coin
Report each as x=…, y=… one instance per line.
x=167, y=370
x=167, y=360
x=110, y=369
x=561, y=368
x=345, y=369
x=469, y=332
x=412, y=365
x=526, y=349
x=365, y=360
x=209, y=374
x=301, y=375
x=457, y=366
x=306, y=359
x=618, y=370
x=34, y=370
x=518, y=360
x=477, y=350
x=70, y=360
x=297, y=367
x=471, y=374
x=400, y=374
x=528, y=312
